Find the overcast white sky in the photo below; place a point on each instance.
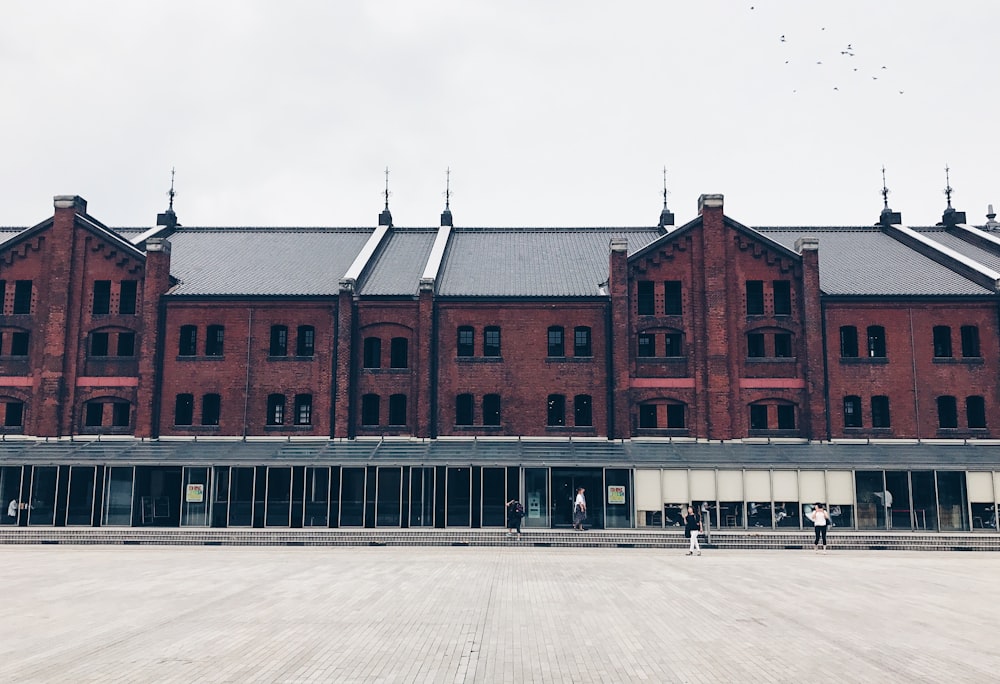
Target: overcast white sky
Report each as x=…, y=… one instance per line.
x=549, y=113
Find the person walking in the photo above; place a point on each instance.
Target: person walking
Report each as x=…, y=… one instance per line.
x=515, y=513
x=821, y=521
x=692, y=528
x=579, y=509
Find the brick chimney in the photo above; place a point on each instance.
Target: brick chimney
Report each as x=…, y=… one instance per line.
x=156, y=281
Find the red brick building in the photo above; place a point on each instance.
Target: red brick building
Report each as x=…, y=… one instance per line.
x=711, y=331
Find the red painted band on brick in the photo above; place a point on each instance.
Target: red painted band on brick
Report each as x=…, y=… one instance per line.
x=107, y=382
x=686, y=383
x=772, y=383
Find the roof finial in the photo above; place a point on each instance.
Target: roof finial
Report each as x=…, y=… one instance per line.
x=885, y=192
x=666, y=217
x=385, y=218
x=947, y=182
x=446, y=219
x=171, y=193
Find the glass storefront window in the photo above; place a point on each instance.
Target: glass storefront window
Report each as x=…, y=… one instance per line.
x=925, y=509
x=241, y=496
x=387, y=501
x=80, y=500
x=951, y=500
x=536, y=494
x=117, y=496
x=317, y=497
x=495, y=497
x=278, y=504
x=900, y=512
x=458, y=508
x=42, y=503
x=873, y=500
x=352, y=497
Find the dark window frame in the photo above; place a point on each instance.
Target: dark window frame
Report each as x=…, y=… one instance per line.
x=782, y=297
x=645, y=298
x=278, y=344
x=184, y=409
x=491, y=341
x=372, y=352
x=673, y=298
x=465, y=339
x=582, y=343
x=556, y=410
x=755, y=297
x=100, y=304
x=556, y=341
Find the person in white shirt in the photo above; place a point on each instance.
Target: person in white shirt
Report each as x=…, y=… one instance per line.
x=12, y=509
x=579, y=509
x=821, y=521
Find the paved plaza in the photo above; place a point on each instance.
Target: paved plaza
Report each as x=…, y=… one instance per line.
x=509, y=614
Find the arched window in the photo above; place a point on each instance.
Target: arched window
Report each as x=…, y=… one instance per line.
x=279, y=341
x=491, y=341
x=876, y=341
x=303, y=409
x=583, y=415
x=214, y=340
x=306, y=341
x=373, y=352
x=556, y=343
x=188, y=341
x=370, y=409
x=880, y=412
x=581, y=341
x=399, y=353
x=211, y=408
x=276, y=409
x=184, y=409
x=848, y=342
x=942, y=341
x=852, y=412
x=463, y=409
x=556, y=406
x=975, y=412
x=397, y=409
x=947, y=412
x=466, y=341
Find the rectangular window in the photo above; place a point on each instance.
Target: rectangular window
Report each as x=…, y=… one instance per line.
x=373, y=352
x=22, y=297
x=758, y=417
x=673, y=304
x=782, y=297
x=211, y=409
x=647, y=345
x=581, y=341
x=303, y=409
x=127, y=297
x=975, y=412
x=852, y=412
x=126, y=344
x=947, y=412
x=942, y=341
x=645, y=300
x=214, y=339
x=876, y=341
x=583, y=411
x=19, y=343
x=755, y=346
x=188, y=344
x=848, y=342
x=783, y=345
x=556, y=345
x=491, y=409
x=491, y=341
x=463, y=409
x=3, y=296
x=970, y=341
x=675, y=416
x=399, y=352
x=880, y=412
x=102, y=297
x=556, y=410
x=370, y=409
x=755, y=297
x=786, y=417
x=647, y=415
x=99, y=344
x=184, y=409
x=675, y=345
x=279, y=341
x=120, y=414
x=13, y=414
x=94, y=414
x=466, y=341
x=306, y=341
x=276, y=409
x=397, y=409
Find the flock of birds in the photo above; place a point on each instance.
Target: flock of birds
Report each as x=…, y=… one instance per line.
x=837, y=69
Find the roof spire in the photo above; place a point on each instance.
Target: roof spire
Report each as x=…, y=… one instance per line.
x=446, y=219
x=666, y=216
x=169, y=218
x=950, y=216
x=385, y=218
x=888, y=217
x=947, y=185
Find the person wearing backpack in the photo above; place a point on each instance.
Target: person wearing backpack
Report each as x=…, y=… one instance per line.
x=515, y=513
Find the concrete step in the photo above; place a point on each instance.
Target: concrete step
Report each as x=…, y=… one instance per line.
x=898, y=541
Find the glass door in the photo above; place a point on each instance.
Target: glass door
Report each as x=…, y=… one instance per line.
x=495, y=497
x=388, y=497
x=317, y=497
x=565, y=483
x=536, y=497
x=458, y=493
x=421, y=497
x=195, y=505
x=618, y=504
x=117, y=496
x=241, y=496
x=352, y=497
x=80, y=501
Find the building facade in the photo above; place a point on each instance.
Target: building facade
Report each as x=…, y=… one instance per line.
x=424, y=376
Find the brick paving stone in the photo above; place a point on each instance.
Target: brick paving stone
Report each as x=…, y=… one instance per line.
x=494, y=614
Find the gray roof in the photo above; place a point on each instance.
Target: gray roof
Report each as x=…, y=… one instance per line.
x=263, y=261
x=986, y=257
x=399, y=263
x=639, y=453
x=866, y=261
x=532, y=262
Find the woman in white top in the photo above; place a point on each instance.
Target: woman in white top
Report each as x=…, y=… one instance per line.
x=821, y=520
x=579, y=509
